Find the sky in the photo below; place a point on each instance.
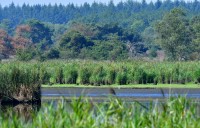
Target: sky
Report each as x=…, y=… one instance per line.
x=64, y=2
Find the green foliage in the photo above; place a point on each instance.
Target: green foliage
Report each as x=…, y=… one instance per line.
x=109, y=50
x=59, y=75
x=140, y=76
x=107, y=73
x=40, y=33
x=44, y=75
x=175, y=112
x=197, y=75
x=84, y=31
x=110, y=76
x=98, y=76
x=5, y=24
x=138, y=26
x=15, y=77
x=153, y=53
x=121, y=78
x=70, y=74
x=195, y=26
x=176, y=39
x=84, y=75
x=53, y=54
x=25, y=54
x=96, y=12
x=73, y=42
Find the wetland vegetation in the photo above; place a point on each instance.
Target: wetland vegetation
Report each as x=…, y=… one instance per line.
x=96, y=73
x=175, y=112
x=19, y=83
x=103, y=73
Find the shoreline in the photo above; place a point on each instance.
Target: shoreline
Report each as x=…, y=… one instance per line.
x=136, y=86
x=121, y=92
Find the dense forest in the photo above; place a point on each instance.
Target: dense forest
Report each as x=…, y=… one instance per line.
x=167, y=30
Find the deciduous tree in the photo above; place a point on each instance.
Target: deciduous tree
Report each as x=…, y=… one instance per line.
x=174, y=35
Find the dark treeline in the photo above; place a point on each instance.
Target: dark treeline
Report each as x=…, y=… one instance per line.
x=102, y=31
x=96, y=12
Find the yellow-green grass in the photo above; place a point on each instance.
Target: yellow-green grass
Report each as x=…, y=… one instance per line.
x=125, y=86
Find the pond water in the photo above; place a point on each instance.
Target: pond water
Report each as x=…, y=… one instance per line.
x=145, y=97
x=123, y=92
x=142, y=95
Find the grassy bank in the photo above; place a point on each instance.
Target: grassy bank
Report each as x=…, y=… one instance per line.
x=125, y=86
x=176, y=112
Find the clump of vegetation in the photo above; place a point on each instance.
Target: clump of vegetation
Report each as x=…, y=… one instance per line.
x=19, y=83
x=197, y=76
x=70, y=75
x=98, y=76
x=84, y=75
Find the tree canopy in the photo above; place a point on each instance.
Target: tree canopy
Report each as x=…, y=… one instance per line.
x=175, y=35
x=127, y=30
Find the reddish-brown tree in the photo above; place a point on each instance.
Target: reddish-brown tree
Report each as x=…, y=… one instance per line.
x=21, y=39
x=4, y=42
x=19, y=42
x=23, y=30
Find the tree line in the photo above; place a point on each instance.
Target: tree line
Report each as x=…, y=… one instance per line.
x=96, y=12
x=101, y=31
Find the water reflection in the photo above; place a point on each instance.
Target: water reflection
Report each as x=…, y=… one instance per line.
x=23, y=111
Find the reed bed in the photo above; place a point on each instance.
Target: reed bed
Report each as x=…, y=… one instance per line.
x=123, y=73
x=100, y=73
x=174, y=113
x=19, y=82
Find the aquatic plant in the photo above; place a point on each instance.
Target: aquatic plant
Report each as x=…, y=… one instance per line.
x=83, y=113
x=19, y=83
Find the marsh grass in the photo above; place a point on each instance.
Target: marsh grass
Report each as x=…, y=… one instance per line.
x=19, y=83
x=100, y=73
x=121, y=73
x=83, y=113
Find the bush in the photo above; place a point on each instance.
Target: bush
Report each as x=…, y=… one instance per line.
x=53, y=54
x=25, y=54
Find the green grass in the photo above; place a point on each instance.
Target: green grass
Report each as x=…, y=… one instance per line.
x=126, y=86
x=174, y=113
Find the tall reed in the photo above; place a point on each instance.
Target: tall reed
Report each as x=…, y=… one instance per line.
x=80, y=113
x=19, y=82
x=102, y=73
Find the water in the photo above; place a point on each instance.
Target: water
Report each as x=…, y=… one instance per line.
x=124, y=92
x=134, y=95
x=146, y=97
